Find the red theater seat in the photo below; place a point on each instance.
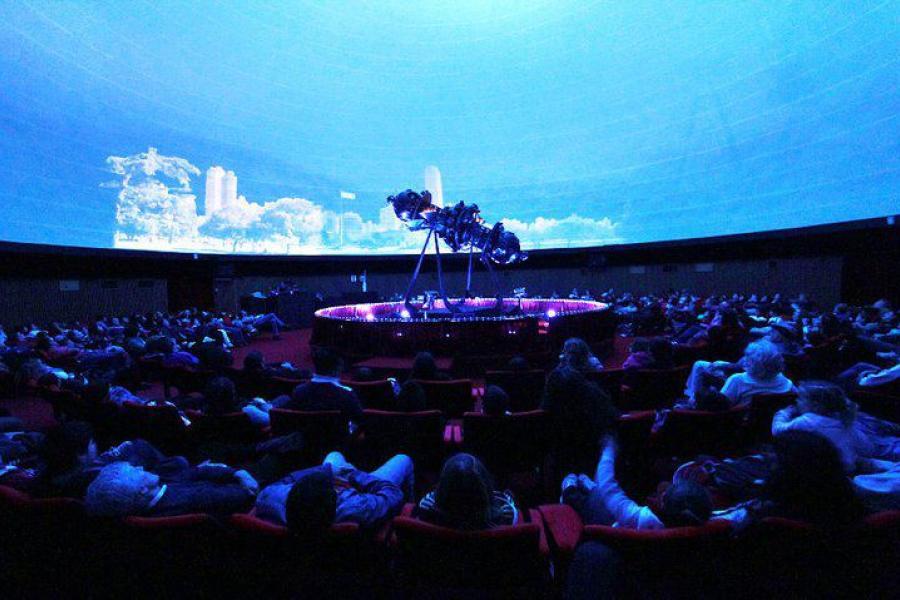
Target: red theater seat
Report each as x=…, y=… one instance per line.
x=687, y=433
x=191, y=552
x=510, y=560
x=644, y=389
x=417, y=434
x=508, y=444
x=762, y=410
x=186, y=380
x=658, y=563
x=523, y=387
x=377, y=395
x=281, y=386
x=229, y=428
x=323, y=430
x=160, y=425
x=275, y=563
x=453, y=398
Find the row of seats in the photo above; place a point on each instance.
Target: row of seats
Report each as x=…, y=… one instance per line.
x=47, y=539
x=424, y=435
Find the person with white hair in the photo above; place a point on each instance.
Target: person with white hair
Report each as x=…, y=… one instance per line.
x=763, y=366
x=122, y=489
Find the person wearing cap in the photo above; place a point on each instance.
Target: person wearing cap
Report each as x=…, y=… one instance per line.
x=309, y=501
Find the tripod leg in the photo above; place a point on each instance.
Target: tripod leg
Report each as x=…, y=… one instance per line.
x=440, y=273
x=469, y=273
x=495, y=280
x=412, y=282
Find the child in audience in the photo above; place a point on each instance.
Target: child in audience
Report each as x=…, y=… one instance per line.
x=601, y=501
x=465, y=498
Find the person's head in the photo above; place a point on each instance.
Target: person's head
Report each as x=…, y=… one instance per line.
x=327, y=362
x=808, y=481
x=464, y=490
x=311, y=503
x=575, y=353
x=826, y=399
x=563, y=385
x=411, y=398
x=42, y=342
x=121, y=489
x=762, y=360
x=220, y=395
x=709, y=398
x=495, y=402
x=166, y=345
x=639, y=344
x=254, y=361
x=685, y=504
x=364, y=374
x=65, y=444
x=424, y=367
x=517, y=363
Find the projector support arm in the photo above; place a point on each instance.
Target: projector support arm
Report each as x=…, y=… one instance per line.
x=453, y=307
x=412, y=282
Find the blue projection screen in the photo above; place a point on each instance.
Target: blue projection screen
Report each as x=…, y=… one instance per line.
x=281, y=127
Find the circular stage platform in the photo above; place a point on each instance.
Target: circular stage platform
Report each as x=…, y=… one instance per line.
x=529, y=325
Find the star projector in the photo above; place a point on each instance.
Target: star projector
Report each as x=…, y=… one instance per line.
x=462, y=228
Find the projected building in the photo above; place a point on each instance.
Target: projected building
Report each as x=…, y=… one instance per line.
x=221, y=190
x=433, y=184
x=213, y=201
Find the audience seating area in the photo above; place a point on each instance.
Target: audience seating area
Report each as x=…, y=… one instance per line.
x=51, y=542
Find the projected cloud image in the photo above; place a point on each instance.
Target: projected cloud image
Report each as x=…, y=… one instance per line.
x=576, y=123
x=154, y=214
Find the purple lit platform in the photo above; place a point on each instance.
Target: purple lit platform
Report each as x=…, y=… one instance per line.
x=527, y=326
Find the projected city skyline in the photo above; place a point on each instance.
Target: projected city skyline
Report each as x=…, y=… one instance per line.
x=157, y=209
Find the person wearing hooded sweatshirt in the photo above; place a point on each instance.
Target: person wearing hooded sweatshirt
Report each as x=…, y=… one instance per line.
x=823, y=408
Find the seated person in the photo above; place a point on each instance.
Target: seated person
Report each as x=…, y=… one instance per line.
x=824, y=409
x=323, y=392
x=465, y=498
x=639, y=356
x=495, y=402
x=175, y=357
x=600, y=501
x=311, y=500
x=576, y=354
x=219, y=398
x=66, y=454
x=411, y=398
x=763, y=366
x=807, y=482
x=581, y=413
x=868, y=377
x=213, y=351
x=257, y=370
x=425, y=368
x=121, y=489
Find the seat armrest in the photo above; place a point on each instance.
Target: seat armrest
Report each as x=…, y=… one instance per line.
x=563, y=527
